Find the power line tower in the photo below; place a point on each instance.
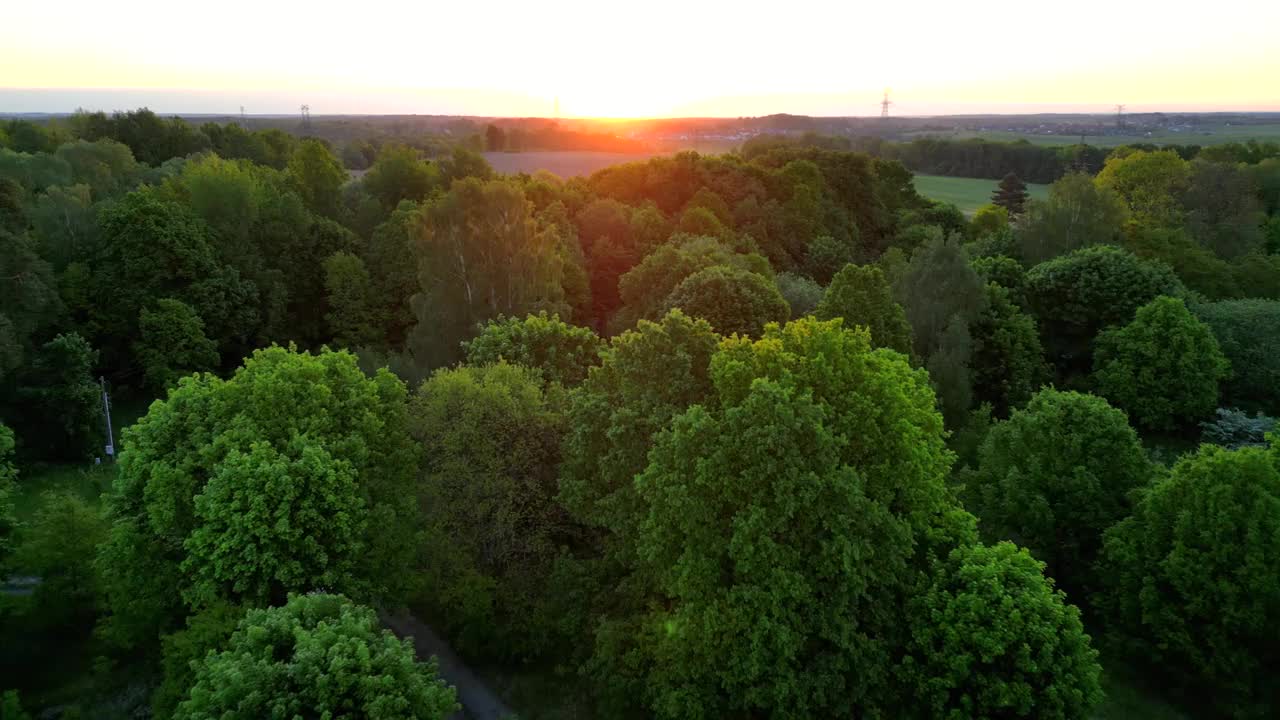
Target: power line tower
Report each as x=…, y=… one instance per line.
x=106, y=414
x=557, y=108
x=884, y=105
x=242, y=122
x=306, y=117
x=1120, y=116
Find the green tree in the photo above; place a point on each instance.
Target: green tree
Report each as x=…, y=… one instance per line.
x=481, y=255
x=295, y=473
x=8, y=488
x=206, y=631
x=646, y=377
x=1205, y=605
x=1075, y=296
x=1054, y=477
x=991, y=638
x=1078, y=213
x=172, y=344
x=1198, y=268
x=861, y=295
x=1223, y=212
x=733, y=300
x=318, y=177
x=988, y=220
x=11, y=707
x=58, y=546
x=492, y=440
x=321, y=655
x=752, y=507
x=398, y=174
x=28, y=297
x=1007, y=361
x=1011, y=194
x=557, y=351
x=801, y=293
x=1005, y=272
x=59, y=401
x=943, y=296
x=1150, y=183
x=353, y=317
x=645, y=288
x=1163, y=368
x=1248, y=332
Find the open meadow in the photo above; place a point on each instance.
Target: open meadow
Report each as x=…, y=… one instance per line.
x=968, y=194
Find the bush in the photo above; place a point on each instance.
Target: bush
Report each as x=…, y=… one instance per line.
x=1194, y=576
x=1163, y=368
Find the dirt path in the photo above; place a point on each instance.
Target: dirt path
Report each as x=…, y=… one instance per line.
x=477, y=700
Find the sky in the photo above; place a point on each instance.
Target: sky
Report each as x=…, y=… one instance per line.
x=657, y=58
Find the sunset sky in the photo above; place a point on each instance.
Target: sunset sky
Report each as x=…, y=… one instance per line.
x=653, y=58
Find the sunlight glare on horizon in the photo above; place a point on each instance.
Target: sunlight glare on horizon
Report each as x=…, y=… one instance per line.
x=660, y=58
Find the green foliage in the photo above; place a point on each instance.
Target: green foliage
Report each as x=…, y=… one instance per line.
x=1205, y=605
x=1199, y=269
x=492, y=448
x=353, y=317
x=1223, y=212
x=154, y=248
x=988, y=220
x=317, y=655
x=398, y=174
x=172, y=344
x=826, y=256
x=1006, y=357
x=1248, y=331
x=28, y=297
x=557, y=351
x=646, y=377
x=1011, y=194
x=481, y=255
x=58, y=547
x=295, y=473
x=206, y=631
x=11, y=706
x=8, y=488
x=1003, y=271
x=861, y=295
x=646, y=288
x=801, y=293
x=1075, y=296
x=1078, y=213
x=991, y=638
x=943, y=296
x=59, y=401
x=1236, y=429
x=733, y=300
x=1054, y=477
x=1163, y=368
x=1257, y=275
x=318, y=177
x=753, y=508
x=1151, y=184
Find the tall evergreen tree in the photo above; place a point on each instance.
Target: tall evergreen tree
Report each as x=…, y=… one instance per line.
x=1011, y=194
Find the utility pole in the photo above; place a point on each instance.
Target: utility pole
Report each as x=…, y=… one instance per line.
x=884, y=105
x=106, y=414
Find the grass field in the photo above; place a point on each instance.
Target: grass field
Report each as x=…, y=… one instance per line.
x=566, y=164
x=968, y=194
x=1214, y=135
